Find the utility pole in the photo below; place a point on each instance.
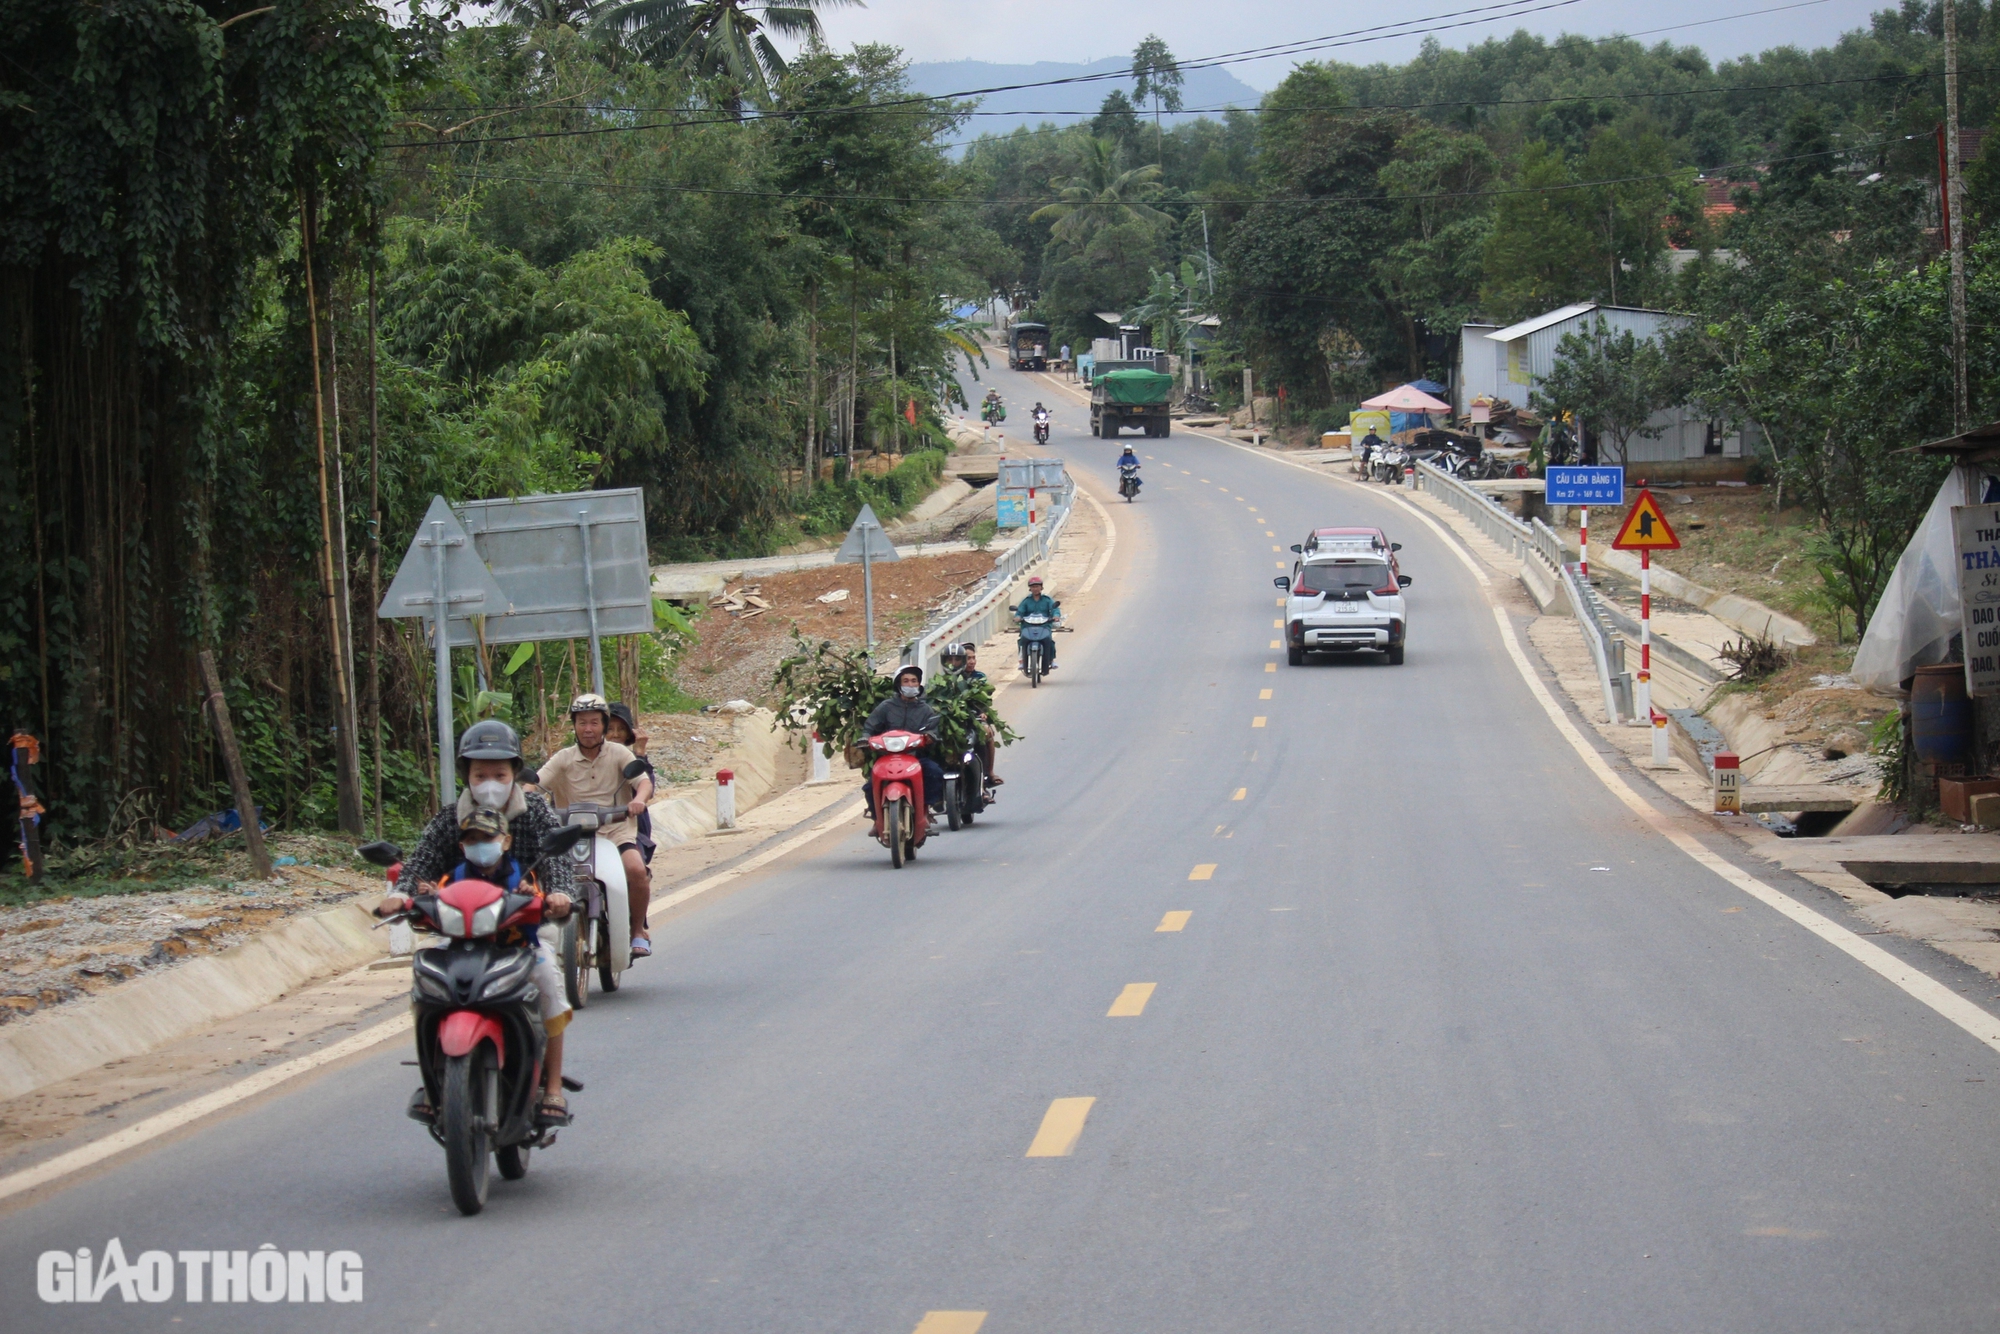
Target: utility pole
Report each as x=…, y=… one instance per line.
x=1207, y=260
x=1954, y=219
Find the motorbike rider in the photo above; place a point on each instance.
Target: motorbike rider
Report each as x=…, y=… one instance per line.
x=1129, y=460
x=1041, y=413
x=624, y=729
x=965, y=661
x=497, y=820
x=591, y=772
x=1039, y=604
x=993, y=409
x=908, y=711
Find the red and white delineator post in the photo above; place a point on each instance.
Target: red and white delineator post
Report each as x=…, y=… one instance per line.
x=725, y=799
x=1661, y=758
x=1583, y=541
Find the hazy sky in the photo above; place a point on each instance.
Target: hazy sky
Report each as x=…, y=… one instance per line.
x=1022, y=31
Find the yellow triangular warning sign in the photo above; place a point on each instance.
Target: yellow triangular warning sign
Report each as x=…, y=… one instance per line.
x=1645, y=528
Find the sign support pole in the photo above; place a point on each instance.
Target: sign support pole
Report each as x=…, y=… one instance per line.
x=1583, y=540
x=868, y=598
x=590, y=601
x=441, y=639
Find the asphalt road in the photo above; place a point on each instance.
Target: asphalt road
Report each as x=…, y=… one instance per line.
x=1449, y=1039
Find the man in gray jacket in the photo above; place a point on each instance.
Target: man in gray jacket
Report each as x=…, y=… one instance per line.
x=906, y=711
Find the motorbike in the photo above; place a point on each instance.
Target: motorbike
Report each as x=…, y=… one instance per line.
x=480, y=1039
x=597, y=937
x=993, y=412
x=896, y=781
x=1128, y=481
x=1036, y=631
x=1041, y=428
x=966, y=792
x=1387, y=465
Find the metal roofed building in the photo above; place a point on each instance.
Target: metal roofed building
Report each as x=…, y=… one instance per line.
x=1525, y=355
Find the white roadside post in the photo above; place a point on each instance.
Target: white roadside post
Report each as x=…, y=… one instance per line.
x=725, y=799
x=822, y=768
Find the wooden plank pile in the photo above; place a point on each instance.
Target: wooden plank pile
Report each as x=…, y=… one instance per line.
x=742, y=603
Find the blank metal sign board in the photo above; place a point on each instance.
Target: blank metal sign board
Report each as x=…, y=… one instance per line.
x=535, y=546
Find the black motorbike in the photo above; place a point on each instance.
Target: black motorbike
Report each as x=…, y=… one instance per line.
x=966, y=791
x=480, y=1039
x=1128, y=481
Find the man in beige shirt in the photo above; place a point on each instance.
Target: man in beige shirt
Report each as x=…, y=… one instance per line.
x=592, y=772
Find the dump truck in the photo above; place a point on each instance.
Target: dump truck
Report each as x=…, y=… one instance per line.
x=1124, y=398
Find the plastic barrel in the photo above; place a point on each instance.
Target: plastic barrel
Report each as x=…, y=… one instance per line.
x=1941, y=714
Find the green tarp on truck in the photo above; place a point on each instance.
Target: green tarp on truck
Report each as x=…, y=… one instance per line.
x=1134, y=397
x=1135, y=387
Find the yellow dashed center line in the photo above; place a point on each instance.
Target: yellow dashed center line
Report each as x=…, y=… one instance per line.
x=1205, y=871
x=1131, y=1002
x=1062, y=1126
x=1174, y=921
x=1271, y=666
x=1265, y=693
x=1277, y=643
x=951, y=1322
x=1258, y=721
x=1239, y=794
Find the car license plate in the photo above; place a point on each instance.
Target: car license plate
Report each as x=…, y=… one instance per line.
x=1347, y=609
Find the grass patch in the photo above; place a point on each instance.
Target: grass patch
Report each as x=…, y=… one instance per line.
x=124, y=867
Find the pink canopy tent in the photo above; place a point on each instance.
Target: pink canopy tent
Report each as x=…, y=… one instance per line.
x=1406, y=398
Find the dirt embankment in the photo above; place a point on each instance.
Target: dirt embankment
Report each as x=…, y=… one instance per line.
x=738, y=652
x=75, y=945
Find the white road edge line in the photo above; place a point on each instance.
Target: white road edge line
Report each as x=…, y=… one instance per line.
x=1110, y=541
x=1913, y=982
x=846, y=812
x=195, y=1109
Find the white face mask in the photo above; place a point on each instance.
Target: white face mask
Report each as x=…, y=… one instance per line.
x=911, y=692
x=492, y=794
x=484, y=854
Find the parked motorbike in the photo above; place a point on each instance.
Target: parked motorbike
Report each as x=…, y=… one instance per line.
x=1036, y=633
x=1041, y=428
x=598, y=935
x=1128, y=481
x=480, y=1039
x=896, y=780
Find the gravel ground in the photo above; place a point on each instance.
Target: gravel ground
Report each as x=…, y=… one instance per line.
x=736, y=656
x=64, y=948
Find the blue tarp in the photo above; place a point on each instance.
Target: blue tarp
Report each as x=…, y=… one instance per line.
x=965, y=312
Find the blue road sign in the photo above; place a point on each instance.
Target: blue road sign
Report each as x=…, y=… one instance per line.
x=1011, y=511
x=1586, y=486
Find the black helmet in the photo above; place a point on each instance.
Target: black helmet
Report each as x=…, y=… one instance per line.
x=623, y=713
x=490, y=739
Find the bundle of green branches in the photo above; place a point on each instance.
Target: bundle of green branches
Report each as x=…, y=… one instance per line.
x=822, y=689
x=960, y=702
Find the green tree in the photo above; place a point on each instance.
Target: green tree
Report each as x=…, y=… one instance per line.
x=1613, y=383
x=1156, y=78
x=726, y=40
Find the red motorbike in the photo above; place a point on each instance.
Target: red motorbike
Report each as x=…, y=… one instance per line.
x=902, y=818
x=480, y=1038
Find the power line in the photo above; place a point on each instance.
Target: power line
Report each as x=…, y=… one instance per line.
x=653, y=187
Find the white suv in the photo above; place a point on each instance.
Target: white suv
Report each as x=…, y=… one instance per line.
x=1345, y=602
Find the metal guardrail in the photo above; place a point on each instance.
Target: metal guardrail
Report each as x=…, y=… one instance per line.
x=1495, y=522
x=978, y=617
x=1607, y=651
x=1538, y=541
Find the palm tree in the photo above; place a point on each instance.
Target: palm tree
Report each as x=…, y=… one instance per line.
x=1101, y=196
x=721, y=39
x=546, y=13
